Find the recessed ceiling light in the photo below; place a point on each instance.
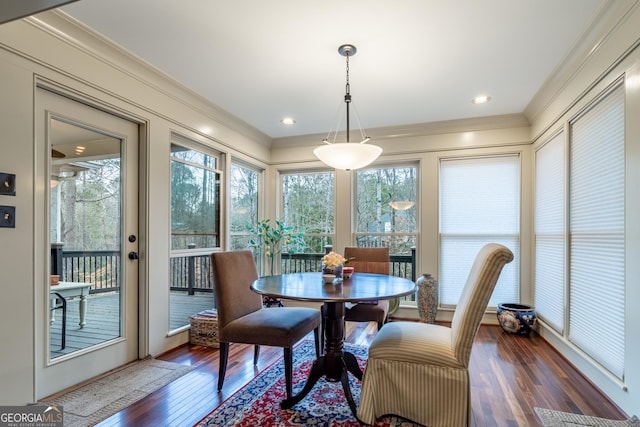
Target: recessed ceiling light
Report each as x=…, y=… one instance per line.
x=482, y=99
x=288, y=121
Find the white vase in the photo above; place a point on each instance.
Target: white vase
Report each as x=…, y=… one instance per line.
x=427, y=298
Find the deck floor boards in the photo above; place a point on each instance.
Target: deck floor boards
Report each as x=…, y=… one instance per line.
x=102, y=322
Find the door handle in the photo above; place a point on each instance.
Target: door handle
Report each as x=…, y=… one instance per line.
x=133, y=255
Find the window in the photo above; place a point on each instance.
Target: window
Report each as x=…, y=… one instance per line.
x=479, y=204
x=195, y=199
x=549, y=230
x=386, y=208
x=308, y=204
x=597, y=226
x=386, y=214
x=243, y=198
x=195, y=229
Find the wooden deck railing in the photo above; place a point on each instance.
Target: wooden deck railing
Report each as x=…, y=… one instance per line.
x=401, y=265
x=102, y=268
x=189, y=272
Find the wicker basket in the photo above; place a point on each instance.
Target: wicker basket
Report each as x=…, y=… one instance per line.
x=204, y=329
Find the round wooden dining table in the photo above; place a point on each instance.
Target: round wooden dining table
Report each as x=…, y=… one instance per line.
x=335, y=363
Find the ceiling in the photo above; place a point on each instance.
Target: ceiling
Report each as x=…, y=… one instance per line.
x=418, y=61
x=16, y=9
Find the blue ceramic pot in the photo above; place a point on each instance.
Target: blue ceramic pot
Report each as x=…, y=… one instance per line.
x=516, y=318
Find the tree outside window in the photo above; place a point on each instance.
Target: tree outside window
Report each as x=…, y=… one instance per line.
x=195, y=199
x=308, y=204
x=386, y=208
x=243, y=197
x=195, y=230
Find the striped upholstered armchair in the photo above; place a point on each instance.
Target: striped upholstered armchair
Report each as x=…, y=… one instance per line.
x=420, y=371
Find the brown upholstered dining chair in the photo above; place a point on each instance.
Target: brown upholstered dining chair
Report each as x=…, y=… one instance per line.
x=420, y=371
x=368, y=260
x=243, y=319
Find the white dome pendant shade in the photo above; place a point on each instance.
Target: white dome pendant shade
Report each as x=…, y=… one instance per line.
x=347, y=155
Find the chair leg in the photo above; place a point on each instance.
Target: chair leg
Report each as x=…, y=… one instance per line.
x=288, y=371
x=64, y=323
x=316, y=336
x=380, y=325
x=256, y=354
x=222, y=370
x=63, y=301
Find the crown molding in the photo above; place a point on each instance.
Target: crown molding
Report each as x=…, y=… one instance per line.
x=611, y=16
x=75, y=33
x=420, y=129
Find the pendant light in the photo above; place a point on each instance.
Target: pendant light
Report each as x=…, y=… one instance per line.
x=347, y=155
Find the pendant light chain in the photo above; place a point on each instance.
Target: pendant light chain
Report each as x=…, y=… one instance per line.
x=347, y=99
x=348, y=87
x=347, y=96
x=343, y=155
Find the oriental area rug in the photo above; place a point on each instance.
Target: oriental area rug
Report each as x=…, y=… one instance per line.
x=552, y=418
x=98, y=400
x=258, y=402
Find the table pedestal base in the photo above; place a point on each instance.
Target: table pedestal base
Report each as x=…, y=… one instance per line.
x=335, y=364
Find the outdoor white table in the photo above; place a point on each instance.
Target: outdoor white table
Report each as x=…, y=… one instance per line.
x=72, y=289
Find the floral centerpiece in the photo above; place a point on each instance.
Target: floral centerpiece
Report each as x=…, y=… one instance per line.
x=332, y=264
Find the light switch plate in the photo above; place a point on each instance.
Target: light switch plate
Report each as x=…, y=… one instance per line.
x=8, y=216
x=7, y=184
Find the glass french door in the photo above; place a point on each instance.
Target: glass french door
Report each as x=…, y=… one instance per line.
x=89, y=289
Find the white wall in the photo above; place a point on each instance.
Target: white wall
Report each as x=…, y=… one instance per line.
x=16, y=244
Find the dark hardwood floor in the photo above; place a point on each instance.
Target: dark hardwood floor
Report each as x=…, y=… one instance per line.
x=510, y=375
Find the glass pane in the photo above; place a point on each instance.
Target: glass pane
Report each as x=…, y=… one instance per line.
x=193, y=156
x=479, y=203
x=597, y=232
x=397, y=244
x=457, y=254
x=195, y=204
x=85, y=235
x=480, y=196
x=549, y=227
x=386, y=216
x=386, y=200
x=307, y=203
x=195, y=230
x=243, y=190
x=190, y=287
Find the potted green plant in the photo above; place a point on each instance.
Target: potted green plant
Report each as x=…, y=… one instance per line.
x=273, y=240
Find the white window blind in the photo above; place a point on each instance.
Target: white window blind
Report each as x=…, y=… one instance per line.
x=596, y=218
x=549, y=220
x=479, y=204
